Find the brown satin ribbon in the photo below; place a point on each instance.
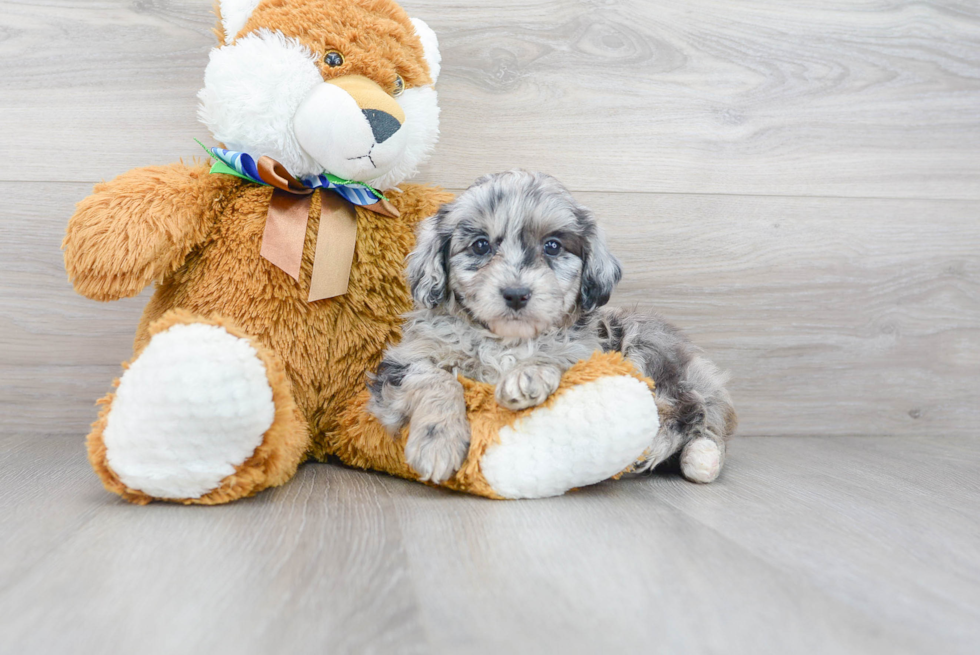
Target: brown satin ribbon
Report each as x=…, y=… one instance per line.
x=285, y=231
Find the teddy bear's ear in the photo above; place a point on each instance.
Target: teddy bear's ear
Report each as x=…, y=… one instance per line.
x=234, y=14
x=430, y=43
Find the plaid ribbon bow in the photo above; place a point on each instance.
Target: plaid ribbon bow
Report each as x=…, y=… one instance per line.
x=243, y=165
x=285, y=228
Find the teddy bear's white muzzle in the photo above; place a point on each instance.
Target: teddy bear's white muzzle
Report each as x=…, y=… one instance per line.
x=347, y=140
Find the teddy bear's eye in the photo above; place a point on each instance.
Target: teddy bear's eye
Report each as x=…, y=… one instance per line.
x=399, y=86
x=334, y=59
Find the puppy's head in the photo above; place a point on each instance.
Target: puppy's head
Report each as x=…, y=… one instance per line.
x=516, y=254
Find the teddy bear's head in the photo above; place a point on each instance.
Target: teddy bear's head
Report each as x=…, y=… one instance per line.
x=324, y=86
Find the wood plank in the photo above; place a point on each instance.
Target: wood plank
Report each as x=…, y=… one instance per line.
x=823, y=545
x=888, y=527
x=95, y=95
x=36, y=472
x=54, y=400
x=315, y=566
x=37, y=303
x=608, y=566
x=835, y=316
x=763, y=97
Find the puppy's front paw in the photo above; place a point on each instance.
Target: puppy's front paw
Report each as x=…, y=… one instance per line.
x=436, y=450
x=527, y=387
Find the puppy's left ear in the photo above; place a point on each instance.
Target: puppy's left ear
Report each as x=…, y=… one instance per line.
x=428, y=264
x=601, y=271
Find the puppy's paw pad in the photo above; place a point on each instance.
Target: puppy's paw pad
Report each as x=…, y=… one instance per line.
x=436, y=451
x=701, y=461
x=527, y=387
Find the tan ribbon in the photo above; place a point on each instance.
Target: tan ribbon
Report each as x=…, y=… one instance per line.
x=285, y=231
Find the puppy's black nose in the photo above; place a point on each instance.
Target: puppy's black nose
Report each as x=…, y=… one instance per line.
x=516, y=297
x=383, y=124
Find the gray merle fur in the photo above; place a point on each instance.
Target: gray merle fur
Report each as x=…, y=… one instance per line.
x=462, y=324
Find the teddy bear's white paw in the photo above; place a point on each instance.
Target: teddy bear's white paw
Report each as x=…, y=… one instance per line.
x=586, y=435
x=190, y=409
x=701, y=461
x=527, y=387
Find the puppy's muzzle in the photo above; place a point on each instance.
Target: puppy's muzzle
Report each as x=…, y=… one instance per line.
x=516, y=297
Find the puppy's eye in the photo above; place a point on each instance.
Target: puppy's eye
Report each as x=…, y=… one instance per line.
x=480, y=247
x=333, y=59
x=552, y=247
x=399, y=86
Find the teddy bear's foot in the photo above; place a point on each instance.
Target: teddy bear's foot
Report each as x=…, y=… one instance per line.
x=203, y=415
x=586, y=434
x=701, y=460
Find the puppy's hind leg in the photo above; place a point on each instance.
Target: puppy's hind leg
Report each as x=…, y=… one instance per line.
x=703, y=454
x=682, y=430
x=697, y=418
x=701, y=459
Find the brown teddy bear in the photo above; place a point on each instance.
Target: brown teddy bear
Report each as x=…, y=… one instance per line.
x=238, y=375
x=280, y=280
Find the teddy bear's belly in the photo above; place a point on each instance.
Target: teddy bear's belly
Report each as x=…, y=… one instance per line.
x=325, y=346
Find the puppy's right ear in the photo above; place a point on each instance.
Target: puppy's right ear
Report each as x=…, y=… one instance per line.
x=601, y=271
x=428, y=264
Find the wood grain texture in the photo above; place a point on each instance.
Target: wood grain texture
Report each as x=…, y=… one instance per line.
x=877, y=98
x=111, y=578
x=825, y=545
x=834, y=316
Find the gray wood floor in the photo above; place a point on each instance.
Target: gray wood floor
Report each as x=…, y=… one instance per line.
x=805, y=545
x=795, y=184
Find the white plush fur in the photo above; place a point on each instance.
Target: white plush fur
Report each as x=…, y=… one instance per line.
x=342, y=144
x=251, y=92
x=234, y=15
x=264, y=95
x=701, y=461
x=421, y=107
x=590, y=433
x=430, y=43
x=192, y=407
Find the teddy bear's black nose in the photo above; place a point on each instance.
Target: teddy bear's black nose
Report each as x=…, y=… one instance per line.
x=383, y=124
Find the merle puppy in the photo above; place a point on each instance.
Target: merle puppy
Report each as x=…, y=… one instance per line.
x=509, y=282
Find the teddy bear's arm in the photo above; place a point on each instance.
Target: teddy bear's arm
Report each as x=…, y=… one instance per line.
x=139, y=227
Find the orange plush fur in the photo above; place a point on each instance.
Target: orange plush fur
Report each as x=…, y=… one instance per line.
x=199, y=236
x=365, y=443
x=375, y=37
